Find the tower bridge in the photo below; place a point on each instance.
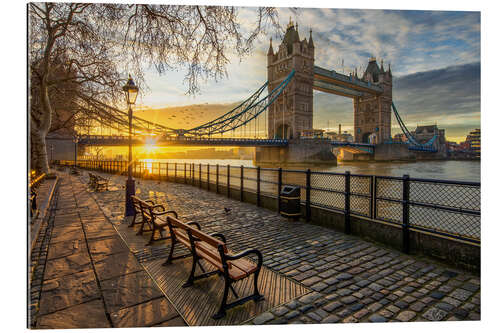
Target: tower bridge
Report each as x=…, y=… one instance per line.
x=287, y=111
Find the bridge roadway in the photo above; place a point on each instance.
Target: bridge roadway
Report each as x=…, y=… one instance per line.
x=106, y=140
x=182, y=141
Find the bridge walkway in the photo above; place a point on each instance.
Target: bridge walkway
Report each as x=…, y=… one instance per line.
x=351, y=280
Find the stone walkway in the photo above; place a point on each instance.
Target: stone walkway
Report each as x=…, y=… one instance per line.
x=89, y=277
x=353, y=280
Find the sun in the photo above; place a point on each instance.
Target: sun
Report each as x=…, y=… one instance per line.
x=150, y=145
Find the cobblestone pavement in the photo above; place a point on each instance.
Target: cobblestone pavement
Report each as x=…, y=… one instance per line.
x=352, y=280
x=89, y=277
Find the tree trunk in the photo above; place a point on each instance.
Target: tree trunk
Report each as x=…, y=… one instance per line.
x=39, y=161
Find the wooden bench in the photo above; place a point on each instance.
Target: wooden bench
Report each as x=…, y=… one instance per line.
x=150, y=213
x=212, y=248
x=97, y=182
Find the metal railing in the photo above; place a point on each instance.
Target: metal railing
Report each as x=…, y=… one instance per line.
x=442, y=207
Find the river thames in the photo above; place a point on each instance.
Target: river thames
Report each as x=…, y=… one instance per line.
x=450, y=170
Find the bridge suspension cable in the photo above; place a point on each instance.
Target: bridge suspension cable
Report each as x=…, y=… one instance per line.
x=239, y=117
x=411, y=139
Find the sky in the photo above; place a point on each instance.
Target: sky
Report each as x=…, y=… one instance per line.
x=434, y=57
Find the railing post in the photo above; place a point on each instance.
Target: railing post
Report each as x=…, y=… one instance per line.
x=258, y=186
x=175, y=172
x=228, y=181
x=406, y=214
x=208, y=176
x=372, y=197
x=308, y=195
x=200, y=174
x=185, y=173
x=241, y=183
x=192, y=174
x=347, y=203
x=167, y=172
x=217, y=178
x=280, y=183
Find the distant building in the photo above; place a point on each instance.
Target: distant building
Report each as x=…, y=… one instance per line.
x=400, y=137
x=425, y=133
x=312, y=133
x=474, y=142
x=452, y=146
x=344, y=137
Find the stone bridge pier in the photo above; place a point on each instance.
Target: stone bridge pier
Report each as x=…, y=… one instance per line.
x=298, y=151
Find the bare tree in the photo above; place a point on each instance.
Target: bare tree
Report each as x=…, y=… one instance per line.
x=79, y=53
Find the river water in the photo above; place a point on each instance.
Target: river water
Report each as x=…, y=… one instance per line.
x=450, y=170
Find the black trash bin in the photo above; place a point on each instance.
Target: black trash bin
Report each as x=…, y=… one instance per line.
x=290, y=201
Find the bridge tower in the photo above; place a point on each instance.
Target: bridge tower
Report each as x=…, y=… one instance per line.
x=372, y=113
x=292, y=112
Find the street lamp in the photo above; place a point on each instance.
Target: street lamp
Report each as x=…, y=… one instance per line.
x=131, y=91
x=75, y=141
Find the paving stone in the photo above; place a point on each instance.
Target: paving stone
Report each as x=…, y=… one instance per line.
x=417, y=306
x=128, y=290
x=444, y=306
x=376, y=318
x=331, y=319
x=434, y=314
x=305, y=308
x=280, y=311
x=292, y=314
x=263, y=318
x=151, y=313
x=406, y=315
x=332, y=306
x=319, y=286
x=115, y=265
x=63, y=292
x=101, y=248
x=67, y=265
x=309, y=298
x=348, y=299
x=461, y=294
x=312, y=280
x=87, y=315
x=437, y=294
x=66, y=248
x=401, y=304
x=292, y=305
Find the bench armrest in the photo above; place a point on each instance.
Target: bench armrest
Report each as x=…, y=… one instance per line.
x=168, y=212
x=246, y=253
x=150, y=201
x=219, y=235
x=157, y=206
x=195, y=224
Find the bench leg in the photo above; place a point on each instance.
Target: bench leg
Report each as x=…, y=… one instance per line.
x=171, y=254
x=152, y=239
x=257, y=296
x=133, y=221
x=222, y=310
x=190, y=280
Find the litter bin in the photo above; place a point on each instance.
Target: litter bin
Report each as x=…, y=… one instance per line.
x=290, y=201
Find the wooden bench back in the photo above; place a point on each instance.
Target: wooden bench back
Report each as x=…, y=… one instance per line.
x=137, y=203
x=212, y=241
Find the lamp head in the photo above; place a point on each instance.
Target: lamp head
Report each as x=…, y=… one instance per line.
x=131, y=90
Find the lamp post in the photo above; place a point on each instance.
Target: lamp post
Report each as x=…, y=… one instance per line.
x=51, y=155
x=75, y=141
x=131, y=91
